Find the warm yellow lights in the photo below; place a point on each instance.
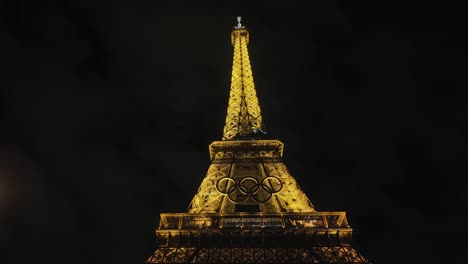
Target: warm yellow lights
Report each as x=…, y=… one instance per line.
x=243, y=113
x=315, y=220
x=248, y=172
x=249, y=208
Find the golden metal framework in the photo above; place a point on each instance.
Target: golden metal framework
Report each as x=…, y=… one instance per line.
x=249, y=174
x=249, y=208
x=243, y=113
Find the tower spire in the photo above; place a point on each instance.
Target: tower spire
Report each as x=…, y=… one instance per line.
x=243, y=117
x=239, y=25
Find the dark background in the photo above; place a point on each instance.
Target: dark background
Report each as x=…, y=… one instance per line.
x=108, y=108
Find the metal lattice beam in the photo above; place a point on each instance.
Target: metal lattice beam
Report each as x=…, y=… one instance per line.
x=337, y=255
x=243, y=113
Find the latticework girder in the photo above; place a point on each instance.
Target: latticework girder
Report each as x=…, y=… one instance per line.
x=249, y=172
x=338, y=255
x=243, y=113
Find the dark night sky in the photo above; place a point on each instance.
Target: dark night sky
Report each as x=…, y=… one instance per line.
x=108, y=108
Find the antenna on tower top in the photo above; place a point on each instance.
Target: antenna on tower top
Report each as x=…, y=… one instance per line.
x=239, y=25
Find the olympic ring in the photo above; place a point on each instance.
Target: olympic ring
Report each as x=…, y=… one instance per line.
x=249, y=186
x=227, y=190
x=236, y=200
x=243, y=187
x=280, y=183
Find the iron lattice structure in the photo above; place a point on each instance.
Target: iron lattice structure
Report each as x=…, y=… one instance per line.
x=243, y=114
x=249, y=208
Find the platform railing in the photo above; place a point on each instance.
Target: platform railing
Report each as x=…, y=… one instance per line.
x=252, y=221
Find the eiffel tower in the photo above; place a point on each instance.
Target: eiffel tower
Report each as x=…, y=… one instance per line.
x=249, y=208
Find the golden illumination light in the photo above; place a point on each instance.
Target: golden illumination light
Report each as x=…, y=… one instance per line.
x=249, y=208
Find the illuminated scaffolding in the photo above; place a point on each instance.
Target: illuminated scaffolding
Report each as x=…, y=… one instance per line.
x=249, y=208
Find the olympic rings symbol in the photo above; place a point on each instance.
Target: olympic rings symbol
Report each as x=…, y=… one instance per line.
x=249, y=187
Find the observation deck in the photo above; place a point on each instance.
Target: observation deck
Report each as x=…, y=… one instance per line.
x=253, y=229
x=253, y=221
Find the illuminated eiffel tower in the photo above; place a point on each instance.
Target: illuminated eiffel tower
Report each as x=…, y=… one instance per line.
x=249, y=209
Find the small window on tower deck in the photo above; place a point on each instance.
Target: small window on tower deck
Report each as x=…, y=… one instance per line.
x=248, y=208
